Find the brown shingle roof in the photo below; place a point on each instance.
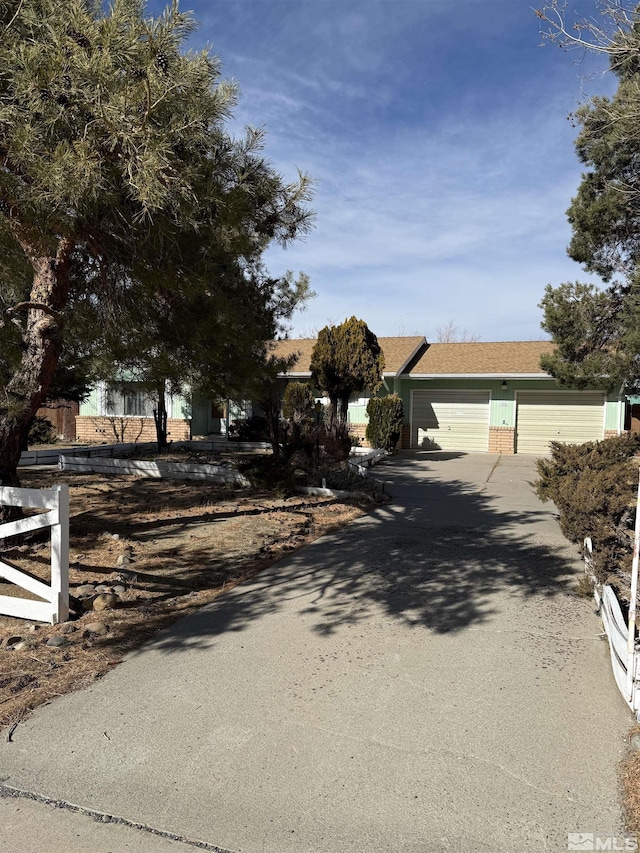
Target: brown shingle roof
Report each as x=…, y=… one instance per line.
x=397, y=351
x=499, y=359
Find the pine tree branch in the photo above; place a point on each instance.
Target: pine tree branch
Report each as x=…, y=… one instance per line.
x=33, y=306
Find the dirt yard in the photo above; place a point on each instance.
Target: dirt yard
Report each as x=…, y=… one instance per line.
x=163, y=548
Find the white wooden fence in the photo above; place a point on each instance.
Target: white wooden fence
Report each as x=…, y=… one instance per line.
x=55, y=604
x=625, y=657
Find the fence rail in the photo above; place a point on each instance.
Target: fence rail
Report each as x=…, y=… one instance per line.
x=55, y=604
x=624, y=665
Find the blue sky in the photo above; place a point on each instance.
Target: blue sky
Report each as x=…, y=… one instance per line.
x=437, y=135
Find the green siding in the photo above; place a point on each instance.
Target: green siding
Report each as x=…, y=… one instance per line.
x=181, y=407
x=358, y=415
x=614, y=414
x=90, y=405
x=502, y=413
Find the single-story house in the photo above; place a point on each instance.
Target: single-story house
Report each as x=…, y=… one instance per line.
x=491, y=397
x=473, y=397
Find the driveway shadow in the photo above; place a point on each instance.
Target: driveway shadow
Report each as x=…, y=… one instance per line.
x=437, y=557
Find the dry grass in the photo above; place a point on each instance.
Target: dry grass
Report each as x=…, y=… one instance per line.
x=188, y=543
x=585, y=586
x=630, y=780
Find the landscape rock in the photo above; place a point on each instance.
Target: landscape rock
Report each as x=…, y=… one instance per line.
x=105, y=600
x=125, y=576
x=87, y=602
x=25, y=645
x=68, y=628
x=56, y=641
x=119, y=589
x=33, y=628
x=97, y=628
x=12, y=642
x=123, y=560
x=103, y=587
x=85, y=589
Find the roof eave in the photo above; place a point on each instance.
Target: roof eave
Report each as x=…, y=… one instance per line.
x=480, y=376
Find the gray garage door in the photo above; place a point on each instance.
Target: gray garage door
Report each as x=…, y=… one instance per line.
x=571, y=417
x=450, y=420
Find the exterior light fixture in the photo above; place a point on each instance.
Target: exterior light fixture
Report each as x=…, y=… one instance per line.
x=504, y=385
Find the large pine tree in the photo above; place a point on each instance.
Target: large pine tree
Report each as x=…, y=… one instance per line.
x=597, y=330
x=117, y=178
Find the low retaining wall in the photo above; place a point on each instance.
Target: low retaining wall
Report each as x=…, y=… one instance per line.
x=361, y=461
x=51, y=456
x=168, y=470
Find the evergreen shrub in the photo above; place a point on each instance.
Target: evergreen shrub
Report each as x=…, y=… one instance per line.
x=594, y=488
x=385, y=421
x=42, y=431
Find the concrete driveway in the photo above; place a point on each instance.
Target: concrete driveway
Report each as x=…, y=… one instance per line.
x=422, y=681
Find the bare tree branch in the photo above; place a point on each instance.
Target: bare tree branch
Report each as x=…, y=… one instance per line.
x=33, y=306
x=449, y=334
x=608, y=36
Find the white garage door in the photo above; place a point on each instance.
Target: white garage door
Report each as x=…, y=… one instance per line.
x=450, y=420
x=571, y=417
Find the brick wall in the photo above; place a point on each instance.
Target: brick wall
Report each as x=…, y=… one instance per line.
x=610, y=433
x=128, y=429
x=501, y=439
x=405, y=437
x=358, y=431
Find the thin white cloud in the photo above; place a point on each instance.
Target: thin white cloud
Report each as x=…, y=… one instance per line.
x=437, y=134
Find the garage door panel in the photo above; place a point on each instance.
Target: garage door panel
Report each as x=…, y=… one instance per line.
x=451, y=419
x=571, y=417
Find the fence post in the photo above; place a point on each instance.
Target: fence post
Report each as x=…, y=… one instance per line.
x=60, y=555
x=631, y=639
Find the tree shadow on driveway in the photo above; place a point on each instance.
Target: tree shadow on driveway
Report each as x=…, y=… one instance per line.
x=442, y=555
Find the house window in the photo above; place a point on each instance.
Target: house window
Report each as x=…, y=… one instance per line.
x=127, y=400
x=135, y=403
